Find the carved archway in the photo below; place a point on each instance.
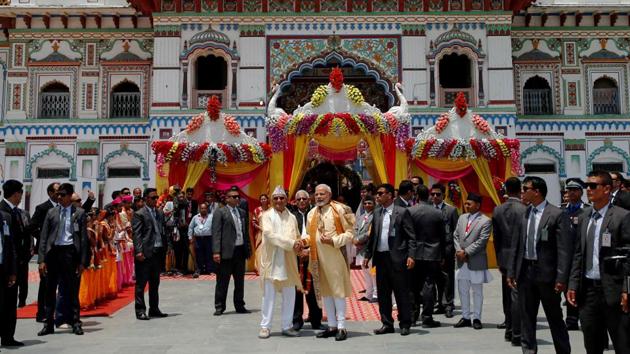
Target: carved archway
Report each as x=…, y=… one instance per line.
x=28, y=173
x=607, y=147
x=120, y=152
x=549, y=151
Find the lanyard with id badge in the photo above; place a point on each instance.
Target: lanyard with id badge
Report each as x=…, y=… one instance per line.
x=606, y=239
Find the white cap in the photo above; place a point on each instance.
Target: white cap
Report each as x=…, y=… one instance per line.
x=279, y=191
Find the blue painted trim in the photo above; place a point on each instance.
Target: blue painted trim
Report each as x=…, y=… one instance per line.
x=120, y=152
x=601, y=149
x=546, y=149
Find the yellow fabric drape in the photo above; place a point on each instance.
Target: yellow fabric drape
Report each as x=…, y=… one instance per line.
x=194, y=173
x=236, y=168
x=378, y=156
x=276, y=178
x=402, y=167
x=446, y=165
x=485, y=178
x=336, y=143
x=161, y=183
x=299, y=161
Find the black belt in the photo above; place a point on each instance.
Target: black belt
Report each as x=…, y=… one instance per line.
x=592, y=283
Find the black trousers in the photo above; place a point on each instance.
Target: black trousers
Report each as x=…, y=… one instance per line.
x=62, y=263
x=314, y=312
x=234, y=267
x=531, y=294
x=181, y=251
x=388, y=280
x=446, y=283
x=148, y=271
x=8, y=307
x=41, y=298
x=422, y=284
x=203, y=247
x=511, y=310
x=22, y=280
x=573, y=313
x=599, y=319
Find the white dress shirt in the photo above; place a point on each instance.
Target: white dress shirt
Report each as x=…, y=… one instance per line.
x=383, y=243
x=200, y=226
x=539, y=211
x=594, y=272
x=65, y=235
x=236, y=216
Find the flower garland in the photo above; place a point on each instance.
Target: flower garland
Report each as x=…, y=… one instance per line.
x=466, y=149
x=441, y=123
x=231, y=125
x=319, y=95
x=195, y=123
x=214, y=107
x=167, y=151
x=336, y=79
x=337, y=124
x=481, y=124
x=354, y=94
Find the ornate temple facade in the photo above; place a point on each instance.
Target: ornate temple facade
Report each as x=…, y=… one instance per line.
x=86, y=85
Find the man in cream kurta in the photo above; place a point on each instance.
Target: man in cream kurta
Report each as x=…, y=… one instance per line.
x=330, y=227
x=278, y=268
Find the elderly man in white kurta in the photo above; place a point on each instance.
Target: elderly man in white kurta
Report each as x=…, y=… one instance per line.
x=330, y=227
x=278, y=268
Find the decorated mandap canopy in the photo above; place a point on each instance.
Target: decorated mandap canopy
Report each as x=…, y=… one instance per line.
x=213, y=153
x=337, y=118
x=463, y=150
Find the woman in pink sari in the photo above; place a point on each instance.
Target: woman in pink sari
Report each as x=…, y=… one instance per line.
x=264, y=205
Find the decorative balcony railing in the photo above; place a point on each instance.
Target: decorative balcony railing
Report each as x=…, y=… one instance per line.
x=125, y=105
x=54, y=105
x=606, y=100
x=537, y=101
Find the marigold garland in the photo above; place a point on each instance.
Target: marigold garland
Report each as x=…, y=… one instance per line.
x=195, y=123
x=231, y=125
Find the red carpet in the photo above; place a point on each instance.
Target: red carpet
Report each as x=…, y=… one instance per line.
x=104, y=309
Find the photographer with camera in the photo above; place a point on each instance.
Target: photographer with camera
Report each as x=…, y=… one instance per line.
x=597, y=283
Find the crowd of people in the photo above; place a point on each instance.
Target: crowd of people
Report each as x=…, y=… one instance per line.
x=413, y=249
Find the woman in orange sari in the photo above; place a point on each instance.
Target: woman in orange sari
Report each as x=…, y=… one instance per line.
x=264, y=205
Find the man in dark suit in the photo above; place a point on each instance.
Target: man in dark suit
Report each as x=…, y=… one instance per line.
x=597, y=285
x=63, y=254
x=446, y=281
x=8, y=271
x=619, y=197
x=504, y=219
x=149, y=243
x=405, y=194
x=574, y=208
x=17, y=222
x=425, y=225
x=393, y=252
x=540, y=265
x=314, y=312
x=230, y=247
x=38, y=221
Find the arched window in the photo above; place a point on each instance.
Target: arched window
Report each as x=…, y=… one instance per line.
x=54, y=101
x=537, y=96
x=125, y=102
x=211, y=78
x=605, y=96
x=455, y=75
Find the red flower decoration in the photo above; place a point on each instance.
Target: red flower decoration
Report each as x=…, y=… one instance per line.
x=336, y=79
x=195, y=123
x=231, y=125
x=460, y=104
x=214, y=107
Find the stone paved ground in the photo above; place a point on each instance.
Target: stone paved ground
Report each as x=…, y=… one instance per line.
x=191, y=328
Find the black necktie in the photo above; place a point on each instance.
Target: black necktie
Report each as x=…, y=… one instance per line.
x=590, y=240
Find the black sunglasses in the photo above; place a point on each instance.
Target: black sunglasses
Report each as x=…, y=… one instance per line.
x=436, y=194
x=234, y=196
x=278, y=198
x=525, y=189
x=300, y=199
x=592, y=185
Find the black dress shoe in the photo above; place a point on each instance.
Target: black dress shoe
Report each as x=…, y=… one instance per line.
x=516, y=342
x=12, y=343
x=218, y=312
x=46, y=330
x=508, y=336
x=477, y=324
x=157, y=314
x=76, y=329
x=449, y=312
x=404, y=331
x=342, y=334
x=21, y=304
x=327, y=333
x=384, y=330
x=439, y=310
x=430, y=323
x=364, y=299
x=463, y=323
x=501, y=325
x=142, y=316
x=243, y=310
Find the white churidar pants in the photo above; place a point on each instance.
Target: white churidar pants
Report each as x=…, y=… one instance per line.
x=464, y=287
x=370, y=282
x=288, y=302
x=336, y=311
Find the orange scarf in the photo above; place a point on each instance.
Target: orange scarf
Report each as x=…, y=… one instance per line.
x=313, y=225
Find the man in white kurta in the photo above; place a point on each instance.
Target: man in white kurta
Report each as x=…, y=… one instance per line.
x=330, y=227
x=278, y=268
